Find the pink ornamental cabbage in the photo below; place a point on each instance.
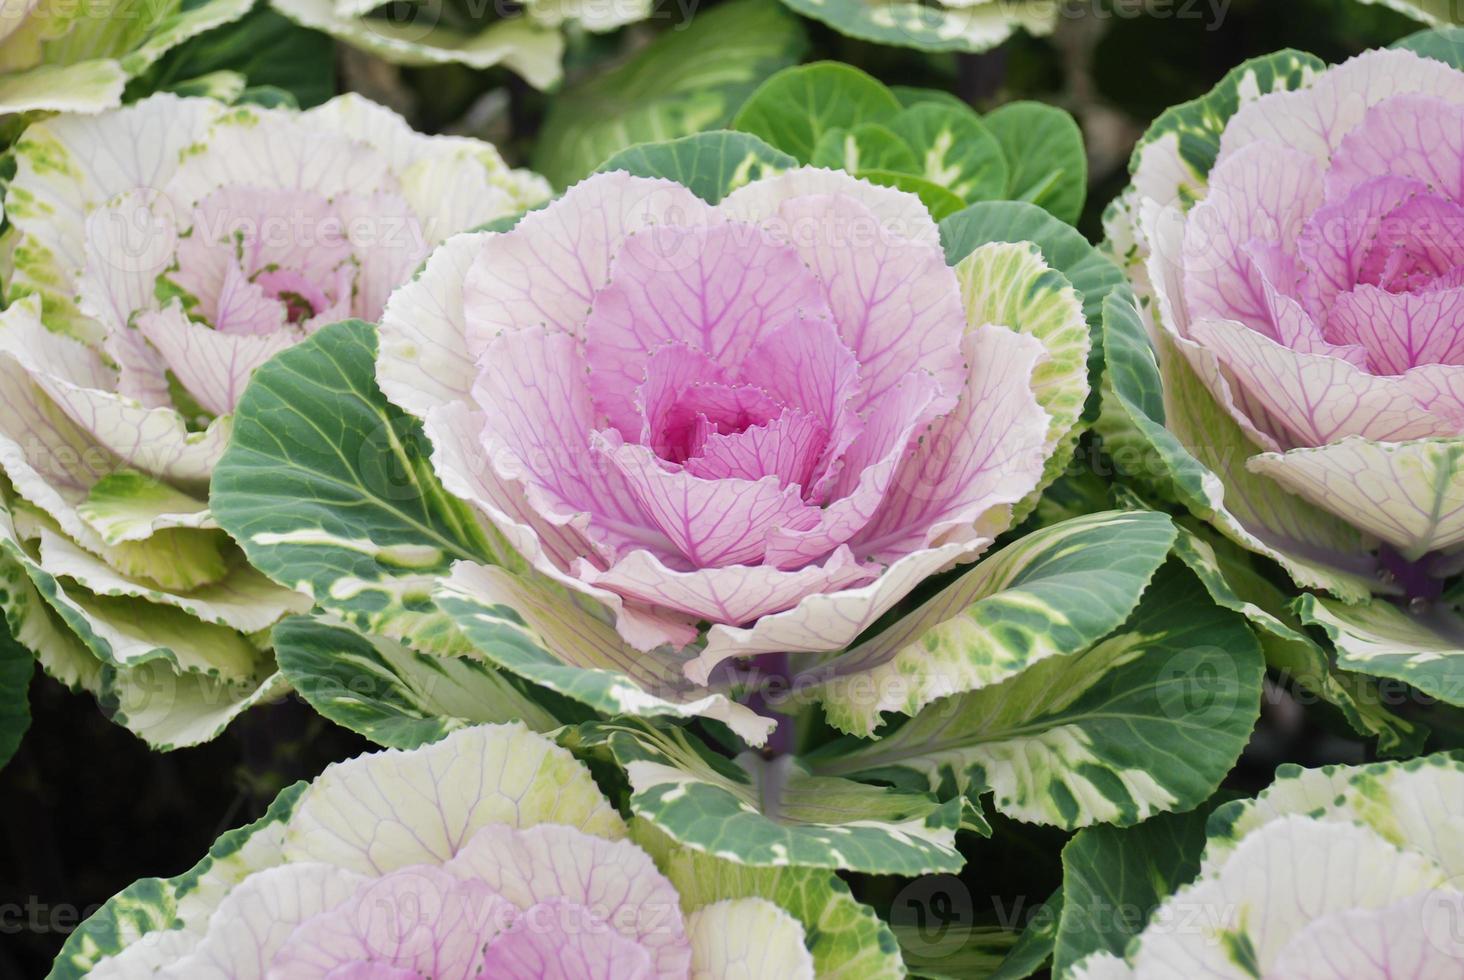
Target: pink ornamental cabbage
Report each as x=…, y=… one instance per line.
x=1317, y=292
x=489, y=854
x=770, y=415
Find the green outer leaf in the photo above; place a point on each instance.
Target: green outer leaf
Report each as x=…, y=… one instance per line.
x=1423, y=649
x=793, y=109
x=953, y=148
x=1147, y=721
x=775, y=814
x=150, y=904
x=1112, y=879
x=1230, y=576
x=847, y=939
x=1046, y=161
x=390, y=694
x=930, y=27
x=1192, y=130
x=1091, y=273
x=16, y=667
x=1051, y=593
x=712, y=165
x=1166, y=433
x=669, y=89
x=1445, y=44
x=329, y=489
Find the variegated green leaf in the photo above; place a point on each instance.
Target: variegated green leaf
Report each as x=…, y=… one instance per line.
x=1230, y=576
x=392, y=695
x=931, y=27
x=775, y=813
x=867, y=146
x=1010, y=283
x=847, y=939
x=712, y=165
x=329, y=489
x=670, y=89
x=954, y=149
x=1146, y=721
x=1424, y=648
x=1051, y=593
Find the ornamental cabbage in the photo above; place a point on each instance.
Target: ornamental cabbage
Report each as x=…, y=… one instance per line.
x=772, y=417
x=1330, y=874
x=1309, y=291
x=162, y=252
x=490, y=853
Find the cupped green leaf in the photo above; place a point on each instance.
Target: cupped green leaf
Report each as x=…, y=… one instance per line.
x=1146, y=721
x=796, y=107
x=1046, y=162
x=669, y=89
x=392, y=695
x=1051, y=593
x=329, y=489
x=774, y=813
x=847, y=939
x=954, y=149
x=711, y=165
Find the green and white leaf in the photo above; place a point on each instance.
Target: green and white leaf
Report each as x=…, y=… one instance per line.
x=972, y=27
x=171, y=710
x=1010, y=284
x=776, y=814
x=711, y=165
x=1165, y=432
x=1051, y=593
x=1424, y=648
x=847, y=939
x=532, y=50
x=1230, y=576
x=954, y=149
x=391, y=694
x=1046, y=161
x=566, y=642
x=747, y=936
x=1439, y=13
x=670, y=89
x=865, y=147
x=329, y=489
x=1146, y=721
